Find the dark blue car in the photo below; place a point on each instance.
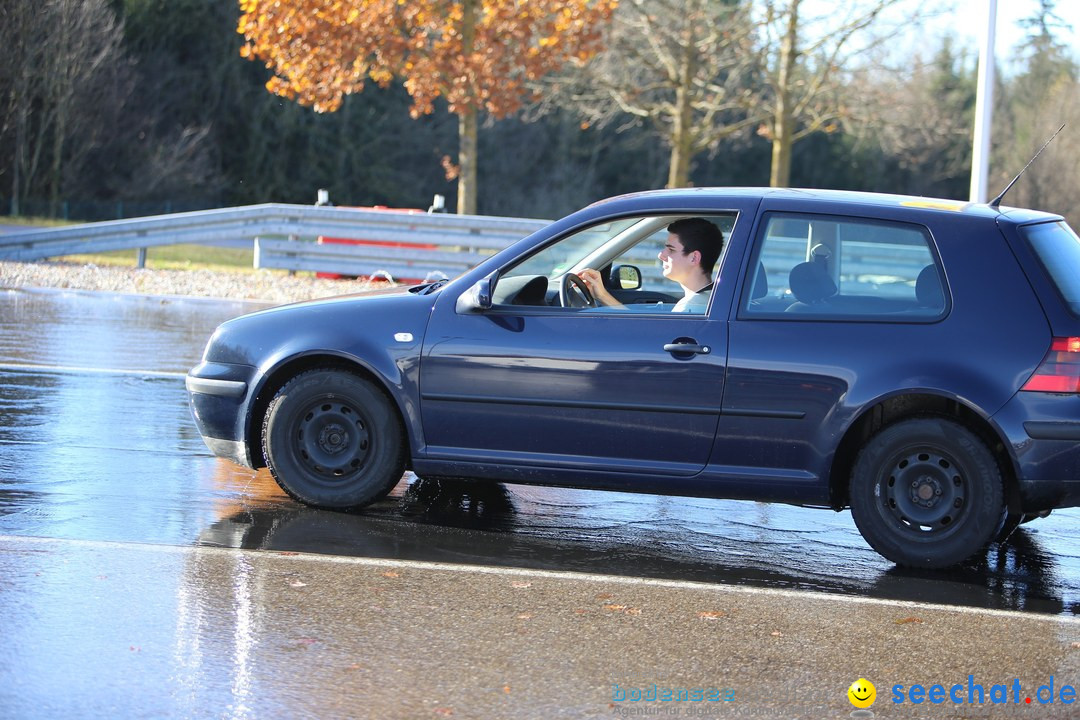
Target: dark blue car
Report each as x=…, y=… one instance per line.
x=915, y=360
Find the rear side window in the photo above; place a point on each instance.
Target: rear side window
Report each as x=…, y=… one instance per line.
x=839, y=267
x=1058, y=249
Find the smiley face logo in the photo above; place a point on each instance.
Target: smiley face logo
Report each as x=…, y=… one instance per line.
x=862, y=693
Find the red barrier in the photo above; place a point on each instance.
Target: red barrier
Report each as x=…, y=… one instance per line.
x=383, y=243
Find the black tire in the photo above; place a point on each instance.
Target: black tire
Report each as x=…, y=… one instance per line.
x=926, y=493
x=333, y=440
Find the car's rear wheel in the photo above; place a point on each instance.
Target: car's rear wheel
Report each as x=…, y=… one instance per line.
x=926, y=492
x=333, y=439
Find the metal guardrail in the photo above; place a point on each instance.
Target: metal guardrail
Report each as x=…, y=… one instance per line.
x=461, y=240
x=402, y=261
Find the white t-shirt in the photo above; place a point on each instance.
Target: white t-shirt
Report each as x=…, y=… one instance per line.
x=696, y=303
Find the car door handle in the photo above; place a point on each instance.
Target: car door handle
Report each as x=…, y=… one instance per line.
x=680, y=347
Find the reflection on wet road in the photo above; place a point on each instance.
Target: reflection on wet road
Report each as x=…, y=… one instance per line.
x=97, y=443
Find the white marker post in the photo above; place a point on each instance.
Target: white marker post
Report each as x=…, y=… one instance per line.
x=984, y=108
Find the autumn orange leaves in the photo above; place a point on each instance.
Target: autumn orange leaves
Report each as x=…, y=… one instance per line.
x=475, y=54
x=478, y=53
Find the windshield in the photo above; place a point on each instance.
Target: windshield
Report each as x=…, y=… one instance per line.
x=1058, y=248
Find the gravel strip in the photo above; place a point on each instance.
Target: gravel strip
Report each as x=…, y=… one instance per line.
x=268, y=286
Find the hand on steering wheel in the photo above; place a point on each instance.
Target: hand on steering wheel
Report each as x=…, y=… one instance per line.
x=574, y=292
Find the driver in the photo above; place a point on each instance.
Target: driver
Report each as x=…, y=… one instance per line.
x=692, y=248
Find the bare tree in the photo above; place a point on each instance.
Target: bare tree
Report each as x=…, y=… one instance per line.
x=22, y=26
x=685, y=68
x=67, y=120
x=1052, y=182
x=807, y=59
x=84, y=55
x=920, y=118
x=61, y=58
x=1044, y=94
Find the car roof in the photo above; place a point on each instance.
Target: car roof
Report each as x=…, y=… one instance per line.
x=829, y=197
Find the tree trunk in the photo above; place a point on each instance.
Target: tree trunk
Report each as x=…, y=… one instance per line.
x=19, y=102
x=20, y=160
x=780, y=173
x=681, y=152
x=56, y=171
x=59, y=96
x=467, y=122
x=466, y=198
x=682, y=135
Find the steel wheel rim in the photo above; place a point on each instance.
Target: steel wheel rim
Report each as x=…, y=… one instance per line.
x=926, y=492
x=332, y=440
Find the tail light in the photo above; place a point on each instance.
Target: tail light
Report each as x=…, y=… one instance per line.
x=1060, y=369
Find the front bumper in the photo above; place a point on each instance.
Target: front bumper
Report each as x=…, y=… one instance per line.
x=220, y=394
x=213, y=386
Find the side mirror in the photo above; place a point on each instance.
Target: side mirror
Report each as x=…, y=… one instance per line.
x=478, y=298
x=626, y=277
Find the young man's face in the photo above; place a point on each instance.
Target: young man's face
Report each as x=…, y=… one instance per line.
x=678, y=266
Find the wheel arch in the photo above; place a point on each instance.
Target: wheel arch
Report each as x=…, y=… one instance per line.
x=280, y=374
x=902, y=406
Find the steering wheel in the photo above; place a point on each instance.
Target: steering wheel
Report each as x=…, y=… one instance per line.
x=574, y=292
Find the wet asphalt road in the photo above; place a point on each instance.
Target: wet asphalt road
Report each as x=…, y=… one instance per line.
x=110, y=630
x=99, y=459
x=97, y=444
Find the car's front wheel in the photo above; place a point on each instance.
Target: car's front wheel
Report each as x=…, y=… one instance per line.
x=333, y=439
x=926, y=492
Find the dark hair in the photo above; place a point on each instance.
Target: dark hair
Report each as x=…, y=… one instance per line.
x=701, y=235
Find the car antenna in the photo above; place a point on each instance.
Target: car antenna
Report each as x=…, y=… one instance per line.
x=997, y=201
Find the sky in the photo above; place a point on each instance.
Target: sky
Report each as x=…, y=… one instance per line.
x=964, y=20
x=969, y=18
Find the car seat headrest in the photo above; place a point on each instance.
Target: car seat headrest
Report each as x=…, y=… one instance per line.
x=810, y=283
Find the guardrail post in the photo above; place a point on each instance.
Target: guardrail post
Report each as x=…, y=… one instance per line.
x=257, y=262
x=140, y=259
x=292, y=273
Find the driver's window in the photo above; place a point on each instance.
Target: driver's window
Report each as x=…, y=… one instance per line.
x=645, y=256
x=636, y=277
x=611, y=267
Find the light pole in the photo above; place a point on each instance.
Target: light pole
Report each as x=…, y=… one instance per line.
x=984, y=108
